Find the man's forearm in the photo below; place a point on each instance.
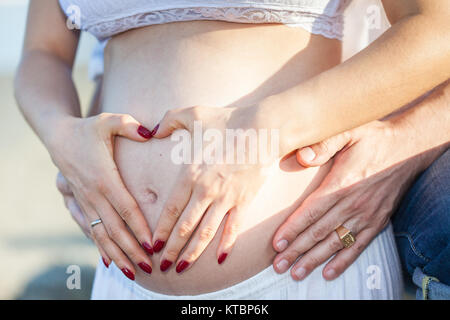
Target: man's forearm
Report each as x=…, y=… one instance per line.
x=425, y=128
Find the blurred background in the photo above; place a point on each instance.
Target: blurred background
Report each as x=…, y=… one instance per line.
x=39, y=241
x=38, y=238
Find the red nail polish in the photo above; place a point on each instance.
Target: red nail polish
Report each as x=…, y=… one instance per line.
x=165, y=264
x=144, y=132
x=183, y=264
x=155, y=130
x=158, y=245
x=222, y=257
x=105, y=262
x=128, y=273
x=147, y=248
x=145, y=267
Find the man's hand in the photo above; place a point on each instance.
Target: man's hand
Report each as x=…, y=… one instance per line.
x=72, y=205
x=372, y=170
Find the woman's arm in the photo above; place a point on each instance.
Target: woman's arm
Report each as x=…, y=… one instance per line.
x=82, y=149
x=43, y=86
x=409, y=59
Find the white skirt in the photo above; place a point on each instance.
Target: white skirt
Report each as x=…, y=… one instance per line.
x=376, y=274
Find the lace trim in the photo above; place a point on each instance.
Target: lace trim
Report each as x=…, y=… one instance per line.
x=330, y=27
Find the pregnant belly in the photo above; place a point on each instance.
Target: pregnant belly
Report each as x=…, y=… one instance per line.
x=151, y=70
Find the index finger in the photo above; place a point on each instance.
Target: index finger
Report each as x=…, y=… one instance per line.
x=310, y=211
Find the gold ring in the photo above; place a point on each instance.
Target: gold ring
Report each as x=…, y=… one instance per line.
x=346, y=236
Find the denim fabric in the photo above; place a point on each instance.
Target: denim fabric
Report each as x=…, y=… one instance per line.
x=422, y=225
x=430, y=288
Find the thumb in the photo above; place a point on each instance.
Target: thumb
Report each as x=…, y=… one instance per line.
x=175, y=119
x=124, y=125
x=319, y=153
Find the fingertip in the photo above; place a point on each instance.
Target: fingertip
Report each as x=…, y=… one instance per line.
x=144, y=132
x=105, y=262
x=280, y=265
x=222, y=257
x=306, y=156
x=329, y=273
x=282, y=245
x=182, y=265
x=161, y=130
x=158, y=245
x=148, y=248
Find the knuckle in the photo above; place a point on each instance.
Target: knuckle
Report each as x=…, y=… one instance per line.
x=365, y=219
x=357, y=248
x=185, y=229
x=318, y=233
x=115, y=232
x=98, y=235
x=291, y=255
x=232, y=230
x=311, y=262
x=124, y=119
x=101, y=186
x=335, y=245
x=347, y=135
x=310, y=215
x=324, y=147
x=173, y=211
x=204, y=191
x=101, y=118
x=206, y=234
x=171, y=254
x=169, y=114
x=289, y=232
x=126, y=212
x=195, y=111
x=162, y=232
x=191, y=256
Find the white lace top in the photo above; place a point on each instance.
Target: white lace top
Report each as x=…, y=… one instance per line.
x=106, y=18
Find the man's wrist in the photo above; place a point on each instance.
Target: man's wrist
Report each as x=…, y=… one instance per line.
x=415, y=143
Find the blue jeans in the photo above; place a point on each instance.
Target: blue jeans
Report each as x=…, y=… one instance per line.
x=422, y=230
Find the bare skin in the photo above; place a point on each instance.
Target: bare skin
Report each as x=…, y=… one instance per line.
x=47, y=63
x=317, y=108
x=373, y=167
x=175, y=60
x=351, y=150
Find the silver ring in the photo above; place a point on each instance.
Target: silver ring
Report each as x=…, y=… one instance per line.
x=96, y=222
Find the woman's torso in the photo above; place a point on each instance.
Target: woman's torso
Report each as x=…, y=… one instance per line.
x=153, y=69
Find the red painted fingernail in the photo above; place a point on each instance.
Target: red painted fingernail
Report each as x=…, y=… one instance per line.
x=105, y=262
x=145, y=267
x=165, y=264
x=147, y=248
x=183, y=264
x=155, y=130
x=128, y=273
x=144, y=132
x=158, y=245
x=222, y=257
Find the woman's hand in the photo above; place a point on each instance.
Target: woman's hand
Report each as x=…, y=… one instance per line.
x=84, y=155
x=206, y=191
x=372, y=169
